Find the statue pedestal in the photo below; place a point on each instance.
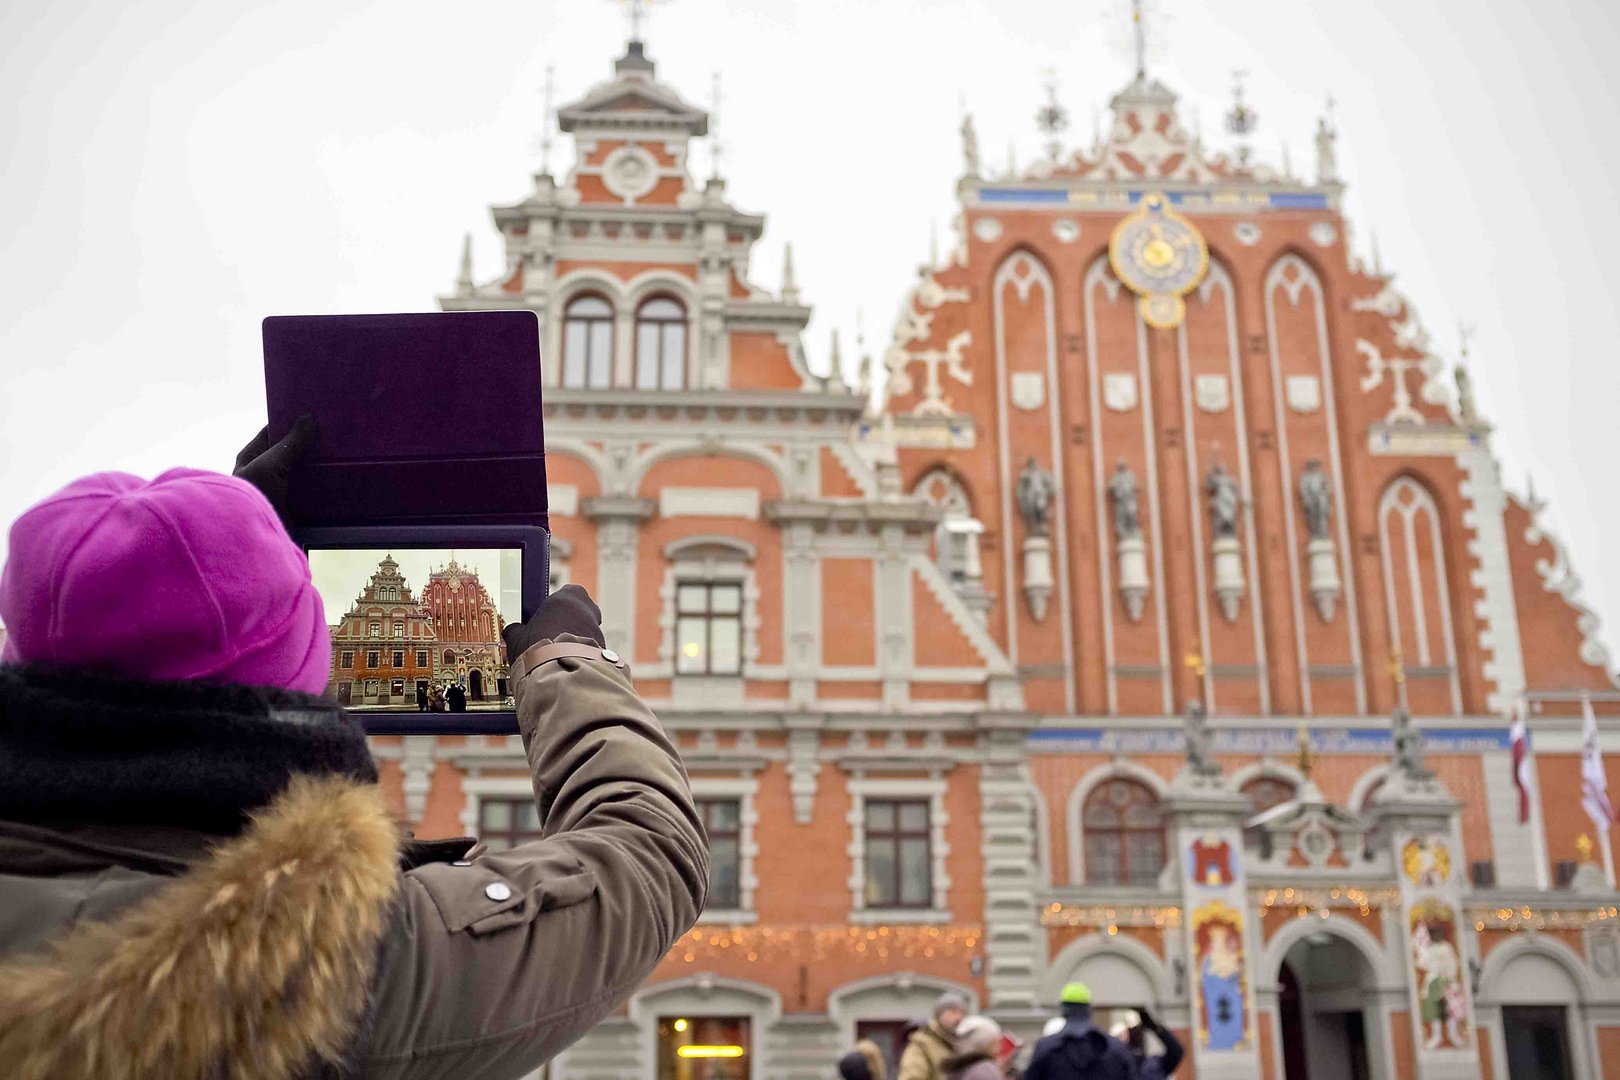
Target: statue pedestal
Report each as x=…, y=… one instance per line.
x=1228, y=575
x=1038, y=574
x=1133, y=575
x=1322, y=566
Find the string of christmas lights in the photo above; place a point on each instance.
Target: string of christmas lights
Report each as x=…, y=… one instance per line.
x=1111, y=917
x=807, y=941
x=1323, y=901
x=1515, y=919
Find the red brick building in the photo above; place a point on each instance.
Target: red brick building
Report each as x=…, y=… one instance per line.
x=1151, y=443
x=467, y=628
x=383, y=647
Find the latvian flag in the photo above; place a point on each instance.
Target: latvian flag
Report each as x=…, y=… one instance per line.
x=1594, y=783
x=1520, y=739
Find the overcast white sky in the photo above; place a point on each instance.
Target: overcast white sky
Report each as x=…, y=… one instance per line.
x=175, y=170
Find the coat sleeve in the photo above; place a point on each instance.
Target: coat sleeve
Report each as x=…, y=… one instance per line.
x=494, y=967
x=913, y=1064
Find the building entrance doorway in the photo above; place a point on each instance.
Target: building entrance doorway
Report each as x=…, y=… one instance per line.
x=475, y=684
x=1324, y=1011
x=1537, y=1038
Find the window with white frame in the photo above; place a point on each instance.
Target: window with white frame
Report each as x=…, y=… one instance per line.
x=898, y=848
x=708, y=628
x=660, y=344
x=726, y=808
x=588, y=343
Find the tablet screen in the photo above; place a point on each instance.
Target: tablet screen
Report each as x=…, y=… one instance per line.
x=419, y=629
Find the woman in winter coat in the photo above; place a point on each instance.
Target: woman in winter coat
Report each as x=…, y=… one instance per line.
x=199, y=876
x=865, y=1062
x=977, y=1040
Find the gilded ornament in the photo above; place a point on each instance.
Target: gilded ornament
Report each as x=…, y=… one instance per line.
x=1160, y=256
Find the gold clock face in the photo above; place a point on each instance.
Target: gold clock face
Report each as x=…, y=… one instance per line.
x=1161, y=257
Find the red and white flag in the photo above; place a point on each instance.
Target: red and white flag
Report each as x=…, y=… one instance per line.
x=1520, y=738
x=1594, y=782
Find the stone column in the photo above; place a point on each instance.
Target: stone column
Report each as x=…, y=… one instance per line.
x=618, y=521
x=1420, y=818
x=1221, y=942
x=1014, y=943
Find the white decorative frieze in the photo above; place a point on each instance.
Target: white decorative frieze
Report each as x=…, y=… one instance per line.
x=1558, y=576
x=709, y=502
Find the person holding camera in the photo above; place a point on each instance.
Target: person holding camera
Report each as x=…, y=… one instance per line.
x=199, y=877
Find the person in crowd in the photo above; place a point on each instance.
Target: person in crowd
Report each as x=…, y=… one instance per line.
x=457, y=697
x=421, y=697
x=1080, y=1050
x=199, y=875
x=1134, y=1033
x=929, y=1046
x=865, y=1062
x=436, y=699
x=978, y=1044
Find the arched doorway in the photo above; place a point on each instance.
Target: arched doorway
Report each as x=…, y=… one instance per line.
x=475, y=684
x=1326, y=1010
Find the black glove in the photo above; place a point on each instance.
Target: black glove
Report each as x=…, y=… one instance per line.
x=266, y=467
x=569, y=610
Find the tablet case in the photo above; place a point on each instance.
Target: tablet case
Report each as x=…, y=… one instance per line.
x=424, y=418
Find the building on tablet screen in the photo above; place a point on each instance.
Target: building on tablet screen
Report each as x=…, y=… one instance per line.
x=384, y=647
x=1155, y=620
x=467, y=628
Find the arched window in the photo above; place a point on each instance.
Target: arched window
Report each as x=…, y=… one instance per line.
x=1264, y=792
x=660, y=345
x=956, y=537
x=1124, y=830
x=588, y=343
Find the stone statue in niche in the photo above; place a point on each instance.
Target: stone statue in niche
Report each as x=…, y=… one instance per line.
x=1409, y=742
x=1316, y=498
x=1122, y=492
x=1224, y=501
x=1200, y=744
x=1035, y=490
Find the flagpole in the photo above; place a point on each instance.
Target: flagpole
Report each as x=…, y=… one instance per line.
x=1532, y=777
x=1604, y=844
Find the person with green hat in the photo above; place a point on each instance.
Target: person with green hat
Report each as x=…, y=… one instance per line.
x=1079, y=1050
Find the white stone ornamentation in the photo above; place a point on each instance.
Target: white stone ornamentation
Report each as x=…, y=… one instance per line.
x=1066, y=230
x=1229, y=584
x=1322, y=566
x=1038, y=580
x=630, y=172
x=1119, y=391
x=1303, y=393
x=1558, y=576
x=1027, y=390
x=1246, y=233
x=1212, y=393
x=1323, y=234
x=1134, y=583
x=987, y=229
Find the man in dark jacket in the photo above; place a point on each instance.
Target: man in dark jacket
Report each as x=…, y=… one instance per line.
x=1153, y=1066
x=1080, y=1051
x=199, y=876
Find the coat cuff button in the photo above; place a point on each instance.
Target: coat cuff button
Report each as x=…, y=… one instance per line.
x=498, y=891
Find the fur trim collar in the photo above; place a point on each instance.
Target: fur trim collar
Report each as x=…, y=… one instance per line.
x=81, y=746
x=256, y=964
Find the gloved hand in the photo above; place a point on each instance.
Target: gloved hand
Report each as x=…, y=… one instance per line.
x=266, y=467
x=569, y=610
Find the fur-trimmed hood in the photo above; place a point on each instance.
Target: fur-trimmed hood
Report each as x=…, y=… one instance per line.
x=255, y=964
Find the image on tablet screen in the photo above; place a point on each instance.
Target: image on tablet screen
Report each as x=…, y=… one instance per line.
x=419, y=630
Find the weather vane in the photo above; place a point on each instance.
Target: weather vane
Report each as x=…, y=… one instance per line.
x=1139, y=32
x=1240, y=119
x=638, y=16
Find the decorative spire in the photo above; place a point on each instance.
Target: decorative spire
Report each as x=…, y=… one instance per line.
x=464, y=279
x=548, y=120
x=635, y=60
x=970, y=147
x=1466, y=411
x=1012, y=160
x=1377, y=259
x=1287, y=162
x=933, y=243
x=790, y=285
x=716, y=148
x=1052, y=118
x=1139, y=34
x=836, y=359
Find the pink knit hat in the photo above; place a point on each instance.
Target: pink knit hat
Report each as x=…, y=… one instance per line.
x=188, y=576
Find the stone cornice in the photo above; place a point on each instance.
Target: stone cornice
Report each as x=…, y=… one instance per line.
x=705, y=407
x=617, y=507
x=823, y=515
